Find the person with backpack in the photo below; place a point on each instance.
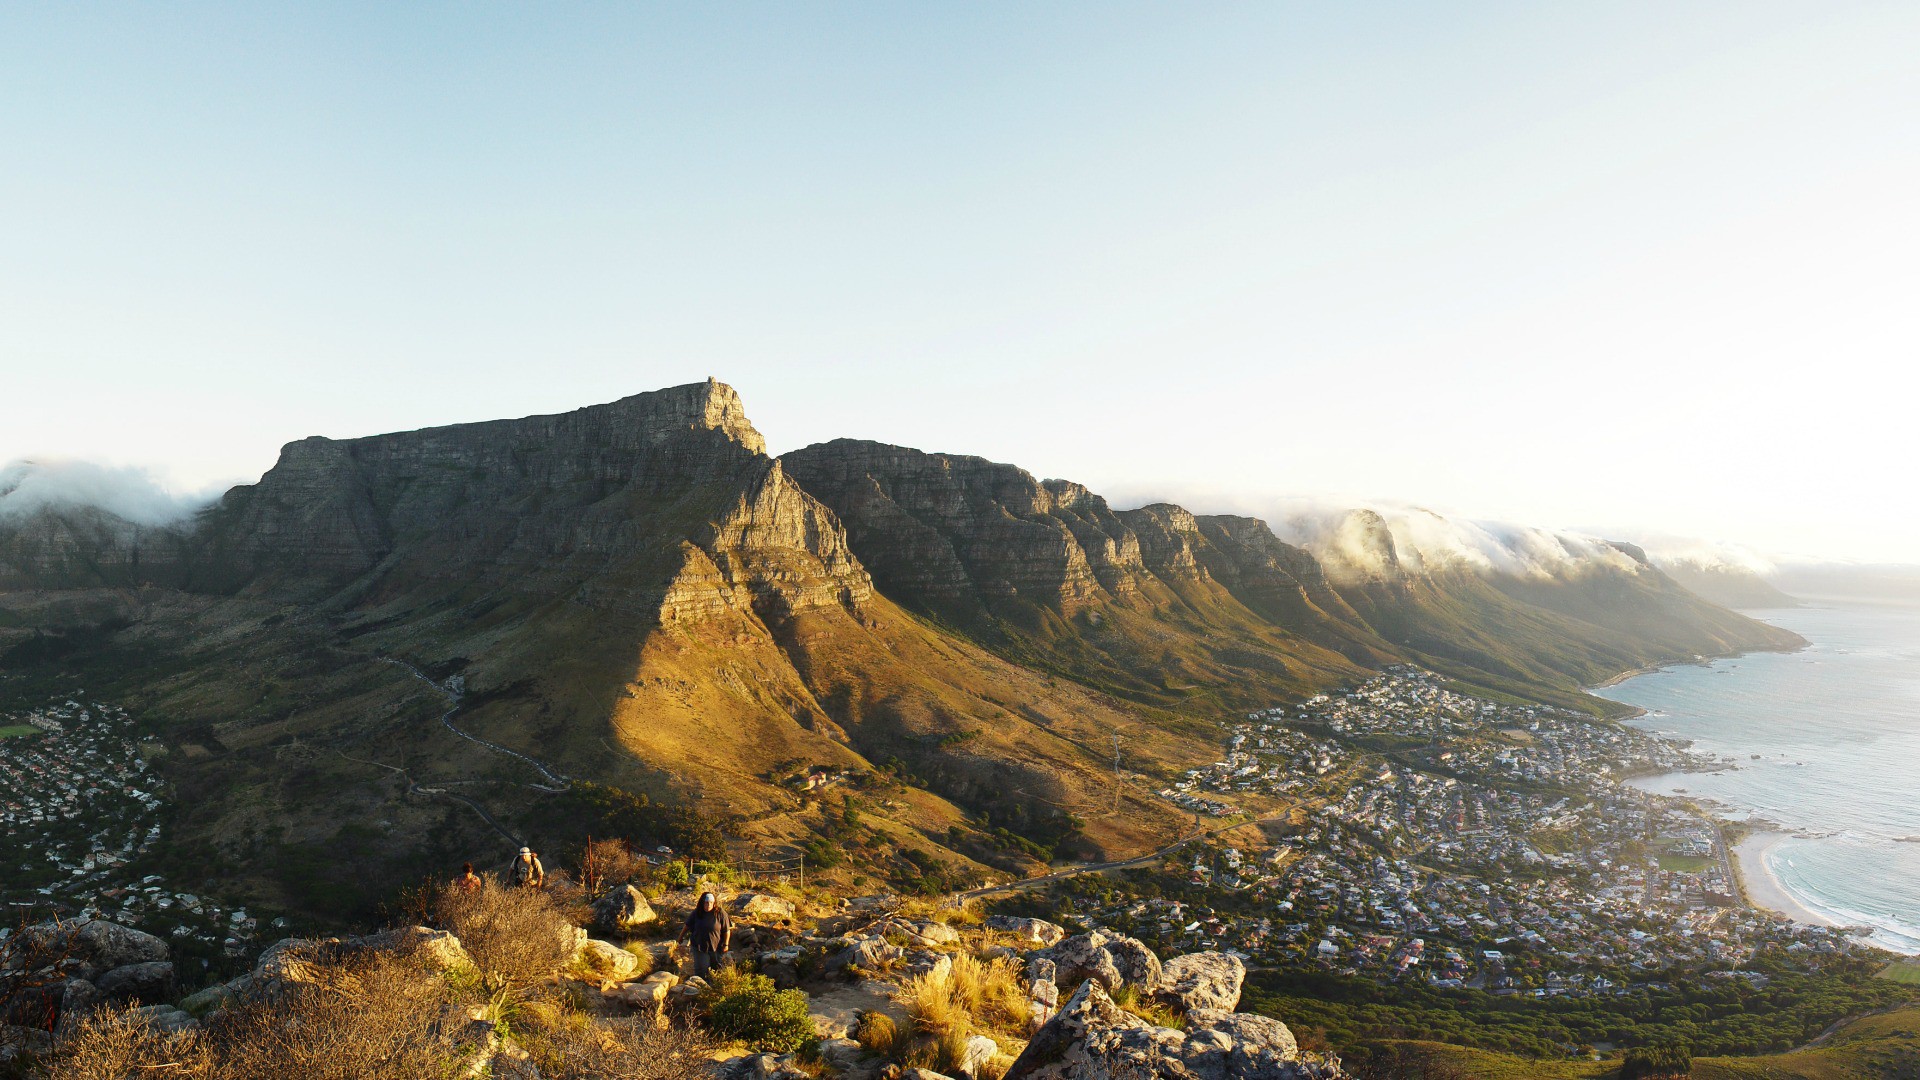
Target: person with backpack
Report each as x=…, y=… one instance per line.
x=526, y=870
x=710, y=933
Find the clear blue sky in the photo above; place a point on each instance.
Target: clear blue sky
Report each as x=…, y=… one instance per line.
x=1623, y=264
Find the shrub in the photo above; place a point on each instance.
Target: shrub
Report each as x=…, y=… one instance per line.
x=111, y=1043
x=1657, y=1062
x=877, y=1033
x=751, y=1009
x=516, y=937
x=369, y=1016
x=567, y=1045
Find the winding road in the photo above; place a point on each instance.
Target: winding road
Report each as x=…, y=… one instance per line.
x=453, y=706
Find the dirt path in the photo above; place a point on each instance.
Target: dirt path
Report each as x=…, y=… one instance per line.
x=453, y=706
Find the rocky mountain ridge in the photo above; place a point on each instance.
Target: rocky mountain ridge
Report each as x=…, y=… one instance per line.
x=637, y=596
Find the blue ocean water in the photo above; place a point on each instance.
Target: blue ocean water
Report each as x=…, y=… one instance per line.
x=1837, y=731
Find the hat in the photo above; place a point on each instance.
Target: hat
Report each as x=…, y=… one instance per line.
x=526, y=851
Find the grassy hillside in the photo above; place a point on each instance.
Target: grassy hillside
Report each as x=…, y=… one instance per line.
x=1880, y=1047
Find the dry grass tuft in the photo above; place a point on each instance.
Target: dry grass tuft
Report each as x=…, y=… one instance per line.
x=878, y=1034
x=567, y=1045
x=990, y=992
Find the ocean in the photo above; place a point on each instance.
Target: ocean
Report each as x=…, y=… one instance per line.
x=1836, y=728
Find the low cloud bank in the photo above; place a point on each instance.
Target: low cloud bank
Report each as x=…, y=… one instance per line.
x=1372, y=540
x=27, y=487
x=1720, y=555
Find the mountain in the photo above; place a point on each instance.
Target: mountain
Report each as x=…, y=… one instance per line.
x=1154, y=605
x=1157, y=603
x=1726, y=584
x=394, y=652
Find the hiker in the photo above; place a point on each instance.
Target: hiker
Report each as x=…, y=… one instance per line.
x=527, y=871
x=710, y=933
x=468, y=881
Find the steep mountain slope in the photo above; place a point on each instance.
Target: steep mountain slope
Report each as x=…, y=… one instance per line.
x=632, y=594
x=1531, y=630
x=1151, y=604
x=1157, y=603
x=1727, y=585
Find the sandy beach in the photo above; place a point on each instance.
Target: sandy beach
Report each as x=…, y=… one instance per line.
x=1763, y=889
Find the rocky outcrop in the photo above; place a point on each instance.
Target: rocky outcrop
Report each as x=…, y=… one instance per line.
x=1038, y=932
x=1094, y=1039
x=89, y=948
x=148, y=983
x=1112, y=960
x=1203, y=981
x=623, y=910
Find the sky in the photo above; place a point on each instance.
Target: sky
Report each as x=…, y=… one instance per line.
x=1624, y=266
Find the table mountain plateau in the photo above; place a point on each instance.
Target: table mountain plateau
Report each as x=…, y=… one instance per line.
x=425, y=645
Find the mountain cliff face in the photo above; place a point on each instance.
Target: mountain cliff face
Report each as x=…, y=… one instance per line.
x=1150, y=602
x=1044, y=572
x=632, y=594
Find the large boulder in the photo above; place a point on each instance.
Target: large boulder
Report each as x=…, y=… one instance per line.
x=1094, y=1039
x=607, y=960
x=624, y=910
x=1038, y=932
x=92, y=947
x=438, y=948
x=1112, y=961
x=149, y=983
x=763, y=906
x=870, y=954
x=1203, y=980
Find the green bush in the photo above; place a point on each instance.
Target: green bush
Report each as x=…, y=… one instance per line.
x=1662, y=1062
x=750, y=1008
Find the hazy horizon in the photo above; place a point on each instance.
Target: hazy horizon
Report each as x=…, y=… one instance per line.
x=1617, y=268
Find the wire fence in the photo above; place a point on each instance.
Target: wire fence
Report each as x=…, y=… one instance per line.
x=791, y=868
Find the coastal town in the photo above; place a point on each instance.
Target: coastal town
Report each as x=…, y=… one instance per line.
x=1412, y=832
x=1464, y=842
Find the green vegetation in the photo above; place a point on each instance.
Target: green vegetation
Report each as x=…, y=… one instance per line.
x=1903, y=971
x=1683, y=864
x=1713, y=1016
x=1657, y=1062
x=750, y=1008
x=14, y=730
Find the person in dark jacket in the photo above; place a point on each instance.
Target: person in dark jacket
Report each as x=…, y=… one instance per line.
x=710, y=933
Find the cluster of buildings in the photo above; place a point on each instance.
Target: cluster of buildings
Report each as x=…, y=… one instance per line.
x=79, y=807
x=1467, y=843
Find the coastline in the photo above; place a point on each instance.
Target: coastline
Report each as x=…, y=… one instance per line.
x=1762, y=888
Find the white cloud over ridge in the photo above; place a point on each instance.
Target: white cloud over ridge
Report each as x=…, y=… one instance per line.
x=1352, y=540
x=27, y=487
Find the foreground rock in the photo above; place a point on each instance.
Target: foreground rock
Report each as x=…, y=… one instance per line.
x=148, y=984
x=624, y=910
x=1203, y=981
x=1094, y=1039
x=1035, y=931
x=92, y=947
x=1113, y=961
